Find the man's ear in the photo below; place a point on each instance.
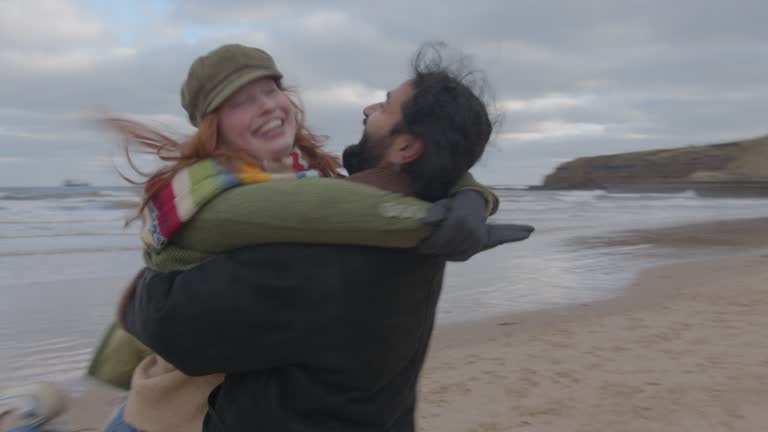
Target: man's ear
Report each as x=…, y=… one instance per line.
x=406, y=148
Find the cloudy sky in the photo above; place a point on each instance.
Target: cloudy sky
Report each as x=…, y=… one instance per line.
x=573, y=78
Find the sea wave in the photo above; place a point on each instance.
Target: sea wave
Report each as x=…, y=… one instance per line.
x=42, y=194
x=122, y=204
x=579, y=196
x=27, y=197
x=644, y=196
x=94, y=233
x=48, y=252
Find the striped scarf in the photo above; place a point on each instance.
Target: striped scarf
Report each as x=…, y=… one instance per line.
x=191, y=188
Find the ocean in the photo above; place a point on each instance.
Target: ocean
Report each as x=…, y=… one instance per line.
x=65, y=256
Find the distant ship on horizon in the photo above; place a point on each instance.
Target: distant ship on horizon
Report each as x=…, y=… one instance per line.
x=75, y=183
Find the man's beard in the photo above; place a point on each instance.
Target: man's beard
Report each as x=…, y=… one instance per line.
x=364, y=155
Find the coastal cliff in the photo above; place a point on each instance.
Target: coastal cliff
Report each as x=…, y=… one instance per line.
x=735, y=167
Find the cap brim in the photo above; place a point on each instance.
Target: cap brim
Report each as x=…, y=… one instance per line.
x=223, y=92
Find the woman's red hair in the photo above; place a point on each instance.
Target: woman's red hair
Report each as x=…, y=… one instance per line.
x=204, y=144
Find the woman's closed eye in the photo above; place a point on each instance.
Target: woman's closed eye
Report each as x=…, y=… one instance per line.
x=255, y=98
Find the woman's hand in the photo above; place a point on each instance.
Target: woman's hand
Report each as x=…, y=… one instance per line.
x=461, y=230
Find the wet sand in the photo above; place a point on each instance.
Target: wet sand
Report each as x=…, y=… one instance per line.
x=736, y=234
x=684, y=349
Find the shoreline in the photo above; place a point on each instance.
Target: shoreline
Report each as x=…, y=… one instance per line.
x=628, y=299
x=746, y=237
x=680, y=349
x=728, y=234
x=714, y=189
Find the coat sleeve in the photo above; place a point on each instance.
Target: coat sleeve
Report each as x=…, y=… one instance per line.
x=468, y=182
x=313, y=211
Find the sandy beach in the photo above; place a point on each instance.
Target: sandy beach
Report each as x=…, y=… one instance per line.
x=685, y=349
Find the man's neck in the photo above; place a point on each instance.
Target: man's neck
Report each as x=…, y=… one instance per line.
x=387, y=178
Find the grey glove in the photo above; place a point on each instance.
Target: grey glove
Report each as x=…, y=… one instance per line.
x=461, y=230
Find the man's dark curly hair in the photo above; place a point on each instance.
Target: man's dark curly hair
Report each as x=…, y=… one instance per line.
x=448, y=113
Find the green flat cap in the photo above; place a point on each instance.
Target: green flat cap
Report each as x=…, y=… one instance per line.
x=212, y=78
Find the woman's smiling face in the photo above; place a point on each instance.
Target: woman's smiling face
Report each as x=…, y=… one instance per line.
x=259, y=118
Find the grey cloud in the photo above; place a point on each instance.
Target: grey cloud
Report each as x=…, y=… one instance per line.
x=659, y=74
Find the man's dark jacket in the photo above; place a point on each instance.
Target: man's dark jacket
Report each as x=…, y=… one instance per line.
x=312, y=337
